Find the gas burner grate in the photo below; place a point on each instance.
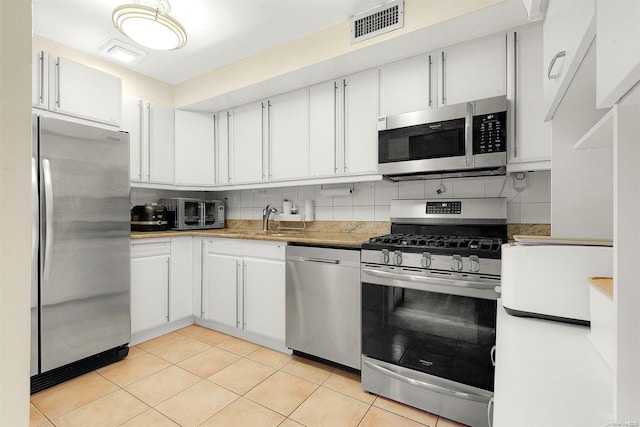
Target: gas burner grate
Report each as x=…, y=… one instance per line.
x=430, y=241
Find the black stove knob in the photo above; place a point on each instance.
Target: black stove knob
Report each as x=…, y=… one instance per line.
x=474, y=263
x=426, y=260
x=385, y=256
x=456, y=263
x=397, y=258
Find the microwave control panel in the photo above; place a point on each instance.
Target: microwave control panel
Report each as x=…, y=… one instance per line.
x=490, y=133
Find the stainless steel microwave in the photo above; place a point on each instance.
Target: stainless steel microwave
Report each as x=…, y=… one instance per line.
x=468, y=139
x=188, y=214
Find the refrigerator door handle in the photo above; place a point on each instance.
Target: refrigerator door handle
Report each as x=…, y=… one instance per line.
x=48, y=204
x=34, y=213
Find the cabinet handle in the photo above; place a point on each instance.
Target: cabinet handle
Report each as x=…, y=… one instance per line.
x=244, y=294
x=141, y=129
x=553, y=62
x=344, y=127
x=228, y=147
x=269, y=170
x=429, y=80
x=237, y=293
x=150, y=144
x=203, y=281
x=41, y=87
x=444, y=99
x=168, y=289
x=335, y=127
x=514, y=105
x=58, y=82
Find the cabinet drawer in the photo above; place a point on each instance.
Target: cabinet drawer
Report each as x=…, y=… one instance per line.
x=153, y=248
x=248, y=248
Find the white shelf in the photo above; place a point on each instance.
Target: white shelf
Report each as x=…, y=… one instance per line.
x=601, y=134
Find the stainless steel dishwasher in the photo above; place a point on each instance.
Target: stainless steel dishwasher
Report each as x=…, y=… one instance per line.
x=323, y=303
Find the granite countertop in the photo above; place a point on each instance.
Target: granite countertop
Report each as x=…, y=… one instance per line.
x=328, y=233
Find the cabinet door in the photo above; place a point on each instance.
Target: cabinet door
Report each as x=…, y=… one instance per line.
x=222, y=279
x=360, y=150
x=289, y=136
x=81, y=91
x=181, y=279
x=248, y=149
x=531, y=141
x=472, y=70
x=323, y=141
x=264, y=297
x=223, y=141
x=618, y=47
x=161, y=143
x=405, y=85
x=149, y=292
x=569, y=28
x=40, y=79
x=195, y=148
x=132, y=109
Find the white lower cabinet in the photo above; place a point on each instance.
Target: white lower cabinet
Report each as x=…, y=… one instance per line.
x=243, y=289
x=161, y=286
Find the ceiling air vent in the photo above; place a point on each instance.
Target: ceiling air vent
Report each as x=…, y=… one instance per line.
x=376, y=21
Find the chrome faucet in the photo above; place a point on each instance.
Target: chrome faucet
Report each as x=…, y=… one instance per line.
x=268, y=210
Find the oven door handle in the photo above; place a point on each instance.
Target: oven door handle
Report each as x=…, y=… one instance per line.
x=432, y=280
x=427, y=386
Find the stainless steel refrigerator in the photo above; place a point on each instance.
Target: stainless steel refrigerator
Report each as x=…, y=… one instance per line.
x=80, y=307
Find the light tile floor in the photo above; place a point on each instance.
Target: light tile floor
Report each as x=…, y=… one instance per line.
x=200, y=377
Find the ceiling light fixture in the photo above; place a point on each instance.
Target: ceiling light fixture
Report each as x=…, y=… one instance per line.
x=148, y=23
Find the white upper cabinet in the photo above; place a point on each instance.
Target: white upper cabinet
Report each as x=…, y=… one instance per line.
x=568, y=31
x=152, y=132
x=223, y=132
x=530, y=141
x=323, y=130
x=472, y=70
x=288, y=154
x=73, y=89
x=360, y=145
x=248, y=143
x=195, y=148
x=407, y=85
x=618, y=49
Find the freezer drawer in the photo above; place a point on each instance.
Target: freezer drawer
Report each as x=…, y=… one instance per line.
x=323, y=303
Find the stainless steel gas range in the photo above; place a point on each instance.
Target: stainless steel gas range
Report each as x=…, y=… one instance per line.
x=429, y=292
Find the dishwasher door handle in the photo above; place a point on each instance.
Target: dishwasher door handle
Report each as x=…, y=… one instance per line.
x=321, y=260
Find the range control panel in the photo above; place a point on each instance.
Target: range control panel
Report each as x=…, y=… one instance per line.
x=444, y=207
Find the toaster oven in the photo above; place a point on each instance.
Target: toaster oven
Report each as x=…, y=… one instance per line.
x=189, y=214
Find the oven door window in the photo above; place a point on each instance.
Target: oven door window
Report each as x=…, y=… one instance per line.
x=448, y=336
x=428, y=141
x=191, y=213
x=209, y=213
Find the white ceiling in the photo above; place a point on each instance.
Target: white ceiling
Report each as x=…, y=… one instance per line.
x=219, y=32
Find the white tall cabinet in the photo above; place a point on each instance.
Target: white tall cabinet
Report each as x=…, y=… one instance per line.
x=195, y=158
x=152, y=135
x=248, y=143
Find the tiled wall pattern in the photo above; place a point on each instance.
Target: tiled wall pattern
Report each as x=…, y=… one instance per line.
x=370, y=201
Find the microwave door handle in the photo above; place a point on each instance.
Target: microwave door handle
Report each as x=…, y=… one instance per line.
x=468, y=134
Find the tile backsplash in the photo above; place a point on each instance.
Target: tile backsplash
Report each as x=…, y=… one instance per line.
x=370, y=201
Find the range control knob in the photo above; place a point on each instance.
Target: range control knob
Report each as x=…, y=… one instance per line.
x=426, y=260
x=474, y=263
x=456, y=263
x=385, y=256
x=397, y=257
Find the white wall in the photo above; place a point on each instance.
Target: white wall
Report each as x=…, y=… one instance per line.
x=370, y=201
x=15, y=222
